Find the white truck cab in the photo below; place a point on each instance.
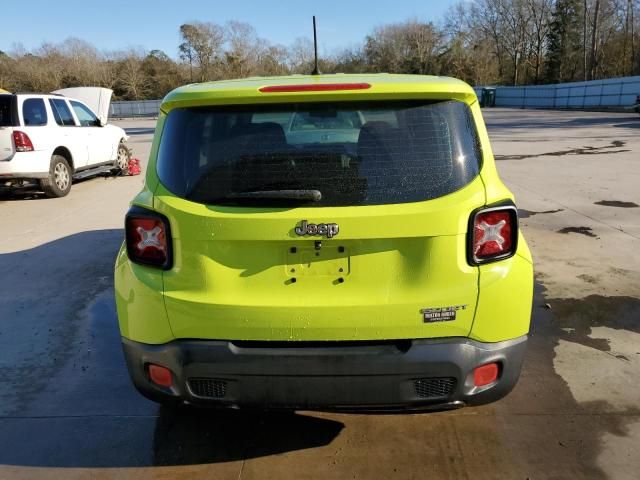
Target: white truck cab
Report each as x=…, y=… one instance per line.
x=52, y=139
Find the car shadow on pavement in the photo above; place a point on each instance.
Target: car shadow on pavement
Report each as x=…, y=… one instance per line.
x=33, y=192
x=66, y=399
x=21, y=194
x=189, y=436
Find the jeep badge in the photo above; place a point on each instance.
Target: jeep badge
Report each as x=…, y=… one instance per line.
x=328, y=230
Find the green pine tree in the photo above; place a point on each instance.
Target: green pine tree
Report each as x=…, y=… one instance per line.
x=564, y=44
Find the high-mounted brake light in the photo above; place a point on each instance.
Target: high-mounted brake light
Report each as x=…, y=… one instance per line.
x=315, y=87
x=494, y=234
x=22, y=142
x=148, y=238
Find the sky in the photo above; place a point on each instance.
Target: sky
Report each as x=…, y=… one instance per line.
x=119, y=24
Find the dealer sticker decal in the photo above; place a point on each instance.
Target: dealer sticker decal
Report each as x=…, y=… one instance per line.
x=441, y=314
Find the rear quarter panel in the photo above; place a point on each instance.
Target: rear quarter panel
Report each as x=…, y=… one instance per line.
x=505, y=292
x=138, y=290
x=43, y=137
x=7, y=149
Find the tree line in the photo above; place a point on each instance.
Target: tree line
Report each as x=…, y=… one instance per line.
x=484, y=42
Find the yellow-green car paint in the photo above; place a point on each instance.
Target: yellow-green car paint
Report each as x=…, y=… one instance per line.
x=227, y=302
x=231, y=264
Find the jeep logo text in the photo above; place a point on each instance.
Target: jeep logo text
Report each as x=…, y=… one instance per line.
x=328, y=230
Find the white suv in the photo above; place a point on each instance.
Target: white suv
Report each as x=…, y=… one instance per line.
x=52, y=139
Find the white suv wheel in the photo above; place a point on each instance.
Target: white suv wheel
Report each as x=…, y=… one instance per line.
x=61, y=176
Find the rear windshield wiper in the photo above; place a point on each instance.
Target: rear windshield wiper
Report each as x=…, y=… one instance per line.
x=303, y=195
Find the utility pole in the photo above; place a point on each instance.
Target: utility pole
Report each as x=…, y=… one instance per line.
x=584, y=40
x=625, y=36
x=633, y=51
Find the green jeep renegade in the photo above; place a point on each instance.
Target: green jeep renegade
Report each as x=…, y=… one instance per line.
x=324, y=242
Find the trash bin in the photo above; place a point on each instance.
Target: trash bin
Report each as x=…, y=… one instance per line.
x=488, y=97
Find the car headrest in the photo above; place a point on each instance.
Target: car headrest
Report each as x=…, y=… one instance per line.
x=267, y=135
x=375, y=139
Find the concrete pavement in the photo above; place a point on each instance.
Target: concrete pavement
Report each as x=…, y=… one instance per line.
x=68, y=410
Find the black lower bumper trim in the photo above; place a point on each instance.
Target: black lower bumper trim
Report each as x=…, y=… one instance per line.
x=430, y=373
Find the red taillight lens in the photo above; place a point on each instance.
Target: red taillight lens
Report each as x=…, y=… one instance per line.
x=494, y=234
x=161, y=376
x=315, y=87
x=22, y=142
x=485, y=374
x=148, y=238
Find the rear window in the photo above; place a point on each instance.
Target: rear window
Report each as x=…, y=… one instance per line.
x=351, y=153
x=7, y=118
x=34, y=113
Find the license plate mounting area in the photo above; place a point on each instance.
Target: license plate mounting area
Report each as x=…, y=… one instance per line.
x=327, y=261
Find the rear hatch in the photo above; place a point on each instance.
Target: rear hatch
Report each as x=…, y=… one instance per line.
x=7, y=121
x=356, y=232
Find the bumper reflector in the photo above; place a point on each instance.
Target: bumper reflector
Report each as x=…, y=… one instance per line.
x=161, y=376
x=485, y=374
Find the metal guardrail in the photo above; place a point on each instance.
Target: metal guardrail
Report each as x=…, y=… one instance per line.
x=611, y=92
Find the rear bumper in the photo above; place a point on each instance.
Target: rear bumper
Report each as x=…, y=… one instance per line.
x=23, y=176
x=26, y=165
x=418, y=374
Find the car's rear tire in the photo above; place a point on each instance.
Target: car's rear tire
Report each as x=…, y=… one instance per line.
x=58, y=184
x=122, y=159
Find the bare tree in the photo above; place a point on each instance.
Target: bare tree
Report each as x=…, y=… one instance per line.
x=486, y=18
x=132, y=80
x=202, y=47
x=300, y=55
x=242, y=49
x=594, y=43
x=411, y=47
x=538, y=32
